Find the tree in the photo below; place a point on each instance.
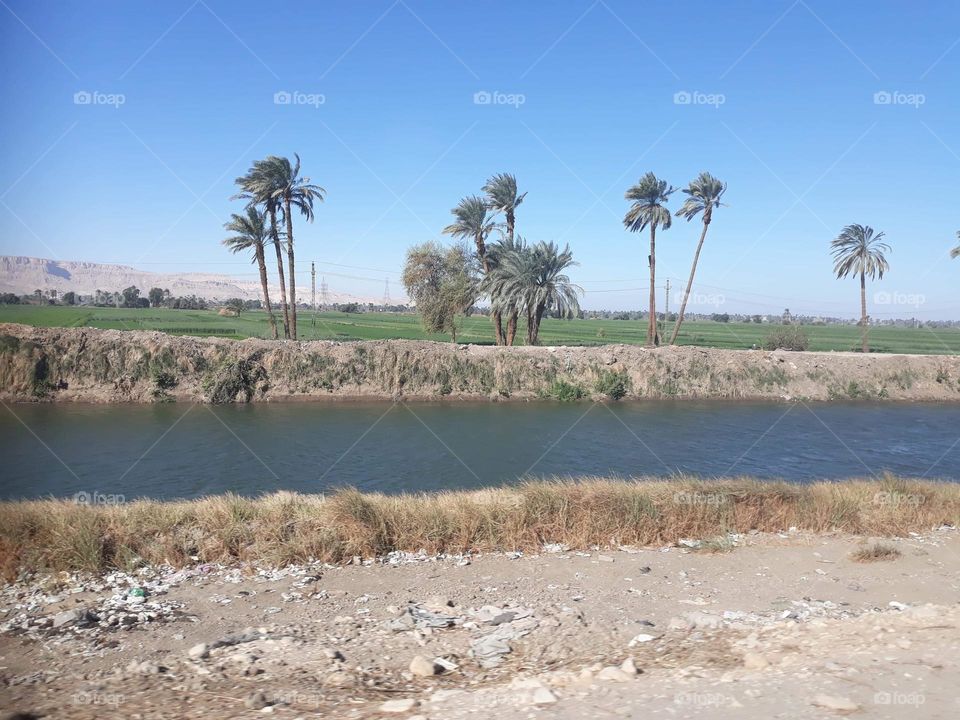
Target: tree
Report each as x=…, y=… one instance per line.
x=443, y=284
x=70, y=298
x=649, y=197
x=473, y=223
x=251, y=232
x=502, y=303
x=257, y=188
x=156, y=296
x=703, y=195
x=9, y=299
x=502, y=196
x=858, y=251
x=235, y=305
x=131, y=296
x=291, y=190
x=532, y=279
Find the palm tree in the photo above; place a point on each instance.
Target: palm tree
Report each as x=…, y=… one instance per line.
x=502, y=196
x=256, y=187
x=493, y=284
x=858, y=251
x=956, y=251
x=531, y=278
x=291, y=190
x=472, y=222
x=649, y=196
x=250, y=231
x=703, y=195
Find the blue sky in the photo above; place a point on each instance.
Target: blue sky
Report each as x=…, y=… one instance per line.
x=398, y=138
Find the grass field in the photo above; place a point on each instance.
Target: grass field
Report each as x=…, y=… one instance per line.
x=380, y=326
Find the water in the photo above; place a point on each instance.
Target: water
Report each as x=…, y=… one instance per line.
x=174, y=451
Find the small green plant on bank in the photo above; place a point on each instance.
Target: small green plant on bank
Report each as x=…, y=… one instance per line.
x=612, y=384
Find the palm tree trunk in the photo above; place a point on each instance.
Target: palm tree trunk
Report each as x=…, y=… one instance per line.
x=262, y=264
x=686, y=294
x=293, y=277
x=652, y=259
x=512, y=326
x=538, y=316
x=864, y=346
x=283, y=283
x=497, y=318
x=495, y=315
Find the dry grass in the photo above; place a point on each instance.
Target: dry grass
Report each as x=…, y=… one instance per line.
x=875, y=552
x=286, y=527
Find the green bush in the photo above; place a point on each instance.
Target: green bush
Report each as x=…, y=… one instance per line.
x=787, y=337
x=612, y=384
x=565, y=392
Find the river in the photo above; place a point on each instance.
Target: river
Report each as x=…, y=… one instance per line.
x=183, y=451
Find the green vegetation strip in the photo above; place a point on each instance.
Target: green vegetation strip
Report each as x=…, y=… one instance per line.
x=478, y=329
x=286, y=527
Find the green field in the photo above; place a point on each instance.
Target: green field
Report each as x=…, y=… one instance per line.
x=380, y=326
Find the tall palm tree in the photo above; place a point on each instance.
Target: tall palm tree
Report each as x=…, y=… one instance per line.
x=649, y=197
x=250, y=231
x=502, y=196
x=289, y=191
x=257, y=188
x=532, y=278
x=472, y=222
x=703, y=195
x=956, y=251
x=858, y=251
x=502, y=302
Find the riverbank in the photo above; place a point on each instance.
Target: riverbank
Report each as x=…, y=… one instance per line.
x=94, y=532
x=82, y=364
x=790, y=624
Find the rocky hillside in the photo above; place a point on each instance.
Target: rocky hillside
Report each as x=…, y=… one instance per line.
x=24, y=275
x=83, y=364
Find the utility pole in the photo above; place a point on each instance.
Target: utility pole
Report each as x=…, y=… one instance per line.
x=386, y=293
x=324, y=294
x=313, y=286
x=667, y=303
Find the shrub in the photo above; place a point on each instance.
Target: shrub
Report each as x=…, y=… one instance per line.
x=787, y=337
x=877, y=551
x=612, y=384
x=565, y=392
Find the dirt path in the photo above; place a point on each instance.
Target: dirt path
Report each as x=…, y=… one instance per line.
x=82, y=364
x=781, y=626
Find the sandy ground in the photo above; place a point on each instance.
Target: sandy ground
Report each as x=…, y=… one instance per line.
x=779, y=626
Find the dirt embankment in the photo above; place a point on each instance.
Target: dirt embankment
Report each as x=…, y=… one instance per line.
x=83, y=364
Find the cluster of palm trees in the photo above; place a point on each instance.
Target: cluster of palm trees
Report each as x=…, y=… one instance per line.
x=649, y=210
x=273, y=188
x=518, y=278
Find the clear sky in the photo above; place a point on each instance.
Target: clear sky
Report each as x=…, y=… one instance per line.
x=782, y=107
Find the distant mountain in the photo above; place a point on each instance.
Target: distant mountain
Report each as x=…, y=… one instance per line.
x=23, y=275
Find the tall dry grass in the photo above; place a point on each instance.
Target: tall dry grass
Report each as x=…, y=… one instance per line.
x=286, y=527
